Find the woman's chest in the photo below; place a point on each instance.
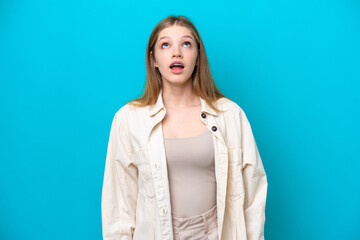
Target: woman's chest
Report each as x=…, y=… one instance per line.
x=182, y=124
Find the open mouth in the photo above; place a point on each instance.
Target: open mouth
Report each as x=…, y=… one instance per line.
x=177, y=65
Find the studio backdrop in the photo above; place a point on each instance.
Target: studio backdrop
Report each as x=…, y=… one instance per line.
x=67, y=66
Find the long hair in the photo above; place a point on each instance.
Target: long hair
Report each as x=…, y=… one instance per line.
x=202, y=81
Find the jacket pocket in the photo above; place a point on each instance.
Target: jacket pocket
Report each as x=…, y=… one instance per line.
x=146, y=185
x=235, y=178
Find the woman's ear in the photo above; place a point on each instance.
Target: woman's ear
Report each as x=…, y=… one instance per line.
x=153, y=58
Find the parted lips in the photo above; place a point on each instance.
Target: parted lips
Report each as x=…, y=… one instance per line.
x=177, y=64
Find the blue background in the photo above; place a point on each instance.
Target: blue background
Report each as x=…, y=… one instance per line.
x=66, y=67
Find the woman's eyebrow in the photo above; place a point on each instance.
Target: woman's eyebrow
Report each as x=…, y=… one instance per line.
x=184, y=36
x=187, y=36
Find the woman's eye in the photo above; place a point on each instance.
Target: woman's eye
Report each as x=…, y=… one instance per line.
x=164, y=45
x=187, y=44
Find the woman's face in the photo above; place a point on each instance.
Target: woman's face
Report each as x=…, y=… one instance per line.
x=175, y=54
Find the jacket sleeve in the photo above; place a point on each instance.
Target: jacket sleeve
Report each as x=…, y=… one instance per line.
x=255, y=183
x=119, y=192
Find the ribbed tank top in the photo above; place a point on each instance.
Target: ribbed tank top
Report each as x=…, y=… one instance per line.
x=191, y=174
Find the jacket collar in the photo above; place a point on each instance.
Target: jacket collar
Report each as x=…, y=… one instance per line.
x=160, y=105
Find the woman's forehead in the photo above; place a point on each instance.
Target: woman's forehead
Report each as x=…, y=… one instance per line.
x=175, y=32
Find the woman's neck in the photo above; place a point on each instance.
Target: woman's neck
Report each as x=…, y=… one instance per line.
x=177, y=97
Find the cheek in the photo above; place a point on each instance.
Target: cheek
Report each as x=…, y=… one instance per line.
x=193, y=55
x=159, y=58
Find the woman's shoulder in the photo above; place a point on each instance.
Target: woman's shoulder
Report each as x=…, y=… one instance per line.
x=229, y=105
x=122, y=111
x=233, y=111
x=128, y=109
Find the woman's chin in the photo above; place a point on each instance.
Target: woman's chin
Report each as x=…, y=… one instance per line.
x=177, y=80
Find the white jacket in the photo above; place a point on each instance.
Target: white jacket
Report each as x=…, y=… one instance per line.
x=135, y=196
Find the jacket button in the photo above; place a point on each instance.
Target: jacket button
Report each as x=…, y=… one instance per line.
x=214, y=128
x=203, y=115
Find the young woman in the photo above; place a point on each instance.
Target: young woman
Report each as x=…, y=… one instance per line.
x=182, y=162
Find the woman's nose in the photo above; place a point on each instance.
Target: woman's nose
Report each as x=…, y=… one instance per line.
x=177, y=52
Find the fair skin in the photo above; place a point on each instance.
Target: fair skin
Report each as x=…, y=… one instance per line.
x=183, y=106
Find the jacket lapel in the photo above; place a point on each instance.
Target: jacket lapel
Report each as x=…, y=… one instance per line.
x=221, y=159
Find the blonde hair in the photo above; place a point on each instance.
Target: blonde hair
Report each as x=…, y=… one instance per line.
x=202, y=81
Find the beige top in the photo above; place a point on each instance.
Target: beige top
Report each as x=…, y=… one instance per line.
x=191, y=174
